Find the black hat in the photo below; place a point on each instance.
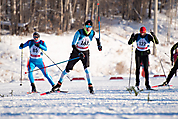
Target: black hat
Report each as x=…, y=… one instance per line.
x=35, y=33
x=89, y=22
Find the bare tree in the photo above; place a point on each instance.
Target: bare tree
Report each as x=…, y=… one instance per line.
x=13, y=17
x=62, y=15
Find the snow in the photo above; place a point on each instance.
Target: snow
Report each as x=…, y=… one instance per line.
x=111, y=99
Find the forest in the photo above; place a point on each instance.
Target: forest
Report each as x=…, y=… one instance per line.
x=21, y=17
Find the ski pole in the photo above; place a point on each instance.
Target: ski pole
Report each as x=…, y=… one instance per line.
x=163, y=69
x=98, y=19
x=131, y=65
x=159, y=59
x=53, y=64
x=21, y=66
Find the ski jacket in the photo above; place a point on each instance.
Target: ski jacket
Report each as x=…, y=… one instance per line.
x=81, y=40
x=143, y=42
x=35, y=51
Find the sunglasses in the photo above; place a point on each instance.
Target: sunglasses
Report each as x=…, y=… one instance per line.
x=35, y=36
x=88, y=26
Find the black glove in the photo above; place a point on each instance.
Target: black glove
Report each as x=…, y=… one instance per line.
x=100, y=48
x=81, y=55
x=37, y=45
x=152, y=33
x=132, y=35
x=21, y=45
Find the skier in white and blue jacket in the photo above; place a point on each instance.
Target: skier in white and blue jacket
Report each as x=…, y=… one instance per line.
x=36, y=60
x=80, y=45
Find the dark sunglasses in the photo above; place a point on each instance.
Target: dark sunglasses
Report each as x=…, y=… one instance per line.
x=35, y=36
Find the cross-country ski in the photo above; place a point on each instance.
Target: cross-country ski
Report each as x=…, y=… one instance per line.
x=49, y=92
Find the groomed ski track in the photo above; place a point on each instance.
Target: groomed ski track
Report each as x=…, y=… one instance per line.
x=111, y=100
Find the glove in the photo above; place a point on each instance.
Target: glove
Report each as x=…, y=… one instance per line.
x=132, y=35
x=81, y=55
x=100, y=48
x=152, y=33
x=21, y=45
x=37, y=45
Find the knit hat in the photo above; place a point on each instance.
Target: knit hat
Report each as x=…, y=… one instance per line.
x=35, y=33
x=142, y=30
x=89, y=22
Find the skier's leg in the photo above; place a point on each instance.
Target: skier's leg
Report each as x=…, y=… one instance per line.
x=171, y=73
x=145, y=64
x=87, y=71
x=137, y=60
x=86, y=63
x=69, y=67
x=30, y=67
x=40, y=64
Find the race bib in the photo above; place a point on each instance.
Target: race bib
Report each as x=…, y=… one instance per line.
x=142, y=45
x=35, y=52
x=83, y=44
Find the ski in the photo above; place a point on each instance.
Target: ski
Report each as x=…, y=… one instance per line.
x=160, y=86
x=49, y=92
x=148, y=90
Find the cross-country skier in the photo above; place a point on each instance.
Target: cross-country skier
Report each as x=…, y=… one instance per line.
x=141, y=53
x=175, y=67
x=80, y=45
x=36, y=60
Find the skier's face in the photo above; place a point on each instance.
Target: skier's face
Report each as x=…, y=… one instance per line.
x=143, y=34
x=88, y=28
x=35, y=37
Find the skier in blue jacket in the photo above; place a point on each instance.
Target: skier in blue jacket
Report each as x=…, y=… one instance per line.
x=36, y=60
x=80, y=45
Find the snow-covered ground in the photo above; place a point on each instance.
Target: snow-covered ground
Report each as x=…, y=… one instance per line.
x=111, y=99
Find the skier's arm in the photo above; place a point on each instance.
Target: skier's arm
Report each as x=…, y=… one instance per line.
x=98, y=42
x=155, y=39
x=132, y=39
x=74, y=42
x=24, y=45
x=172, y=49
x=43, y=46
x=76, y=37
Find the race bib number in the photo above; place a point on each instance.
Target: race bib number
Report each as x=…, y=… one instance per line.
x=83, y=44
x=142, y=45
x=35, y=52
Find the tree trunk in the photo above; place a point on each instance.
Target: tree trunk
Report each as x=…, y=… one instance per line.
x=150, y=5
x=46, y=17
x=86, y=10
x=92, y=12
x=13, y=17
x=62, y=15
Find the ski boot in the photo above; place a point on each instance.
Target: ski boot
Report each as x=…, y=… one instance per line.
x=33, y=87
x=137, y=87
x=56, y=87
x=148, y=87
x=90, y=87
